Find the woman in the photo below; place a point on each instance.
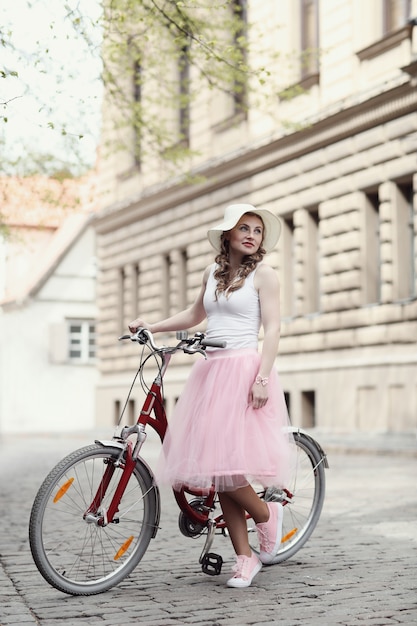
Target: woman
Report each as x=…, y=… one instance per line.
x=228, y=426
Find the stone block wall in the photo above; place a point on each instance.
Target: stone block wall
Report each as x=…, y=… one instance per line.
x=345, y=188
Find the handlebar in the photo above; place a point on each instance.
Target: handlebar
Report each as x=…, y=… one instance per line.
x=197, y=343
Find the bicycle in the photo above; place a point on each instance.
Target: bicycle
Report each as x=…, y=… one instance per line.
x=97, y=510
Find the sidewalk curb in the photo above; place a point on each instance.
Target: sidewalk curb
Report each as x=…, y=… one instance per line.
x=404, y=445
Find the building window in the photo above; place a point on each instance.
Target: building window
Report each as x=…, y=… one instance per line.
x=125, y=412
x=81, y=340
x=309, y=35
x=239, y=37
x=182, y=279
x=287, y=397
x=184, y=96
x=308, y=409
x=137, y=112
x=312, y=268
x=394, y=27
x=116, y=415
x=166, y=285
x=131, y=412
x=135, y=275
x=372, y=250
x=121, y=289
x=395, y=14
x=404, y=241
x=288, y=274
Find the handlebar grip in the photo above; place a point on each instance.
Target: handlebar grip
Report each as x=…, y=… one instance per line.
x=213, y=343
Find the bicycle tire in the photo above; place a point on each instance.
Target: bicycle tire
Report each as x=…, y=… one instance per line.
x=81, y=558
x=307, y=486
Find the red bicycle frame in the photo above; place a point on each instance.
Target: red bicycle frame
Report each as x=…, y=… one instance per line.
x=129, y=454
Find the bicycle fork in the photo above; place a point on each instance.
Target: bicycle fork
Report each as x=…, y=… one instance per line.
x=96, y=514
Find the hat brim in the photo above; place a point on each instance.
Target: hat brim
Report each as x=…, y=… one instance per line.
x=272, y=226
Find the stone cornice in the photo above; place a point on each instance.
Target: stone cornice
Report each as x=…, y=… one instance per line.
x=386, y=43
x=346, y=122
x=411, y=70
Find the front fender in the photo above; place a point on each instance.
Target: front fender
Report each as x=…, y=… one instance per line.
x=111, y=443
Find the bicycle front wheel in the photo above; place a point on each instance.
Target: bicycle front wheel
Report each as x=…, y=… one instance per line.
x=74, y=554
x=303, y=497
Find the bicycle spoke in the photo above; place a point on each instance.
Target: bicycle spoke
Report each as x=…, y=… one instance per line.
x=73, y=550
x=303, y=505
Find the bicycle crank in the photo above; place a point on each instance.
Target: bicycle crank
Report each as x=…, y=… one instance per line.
x=211, y=563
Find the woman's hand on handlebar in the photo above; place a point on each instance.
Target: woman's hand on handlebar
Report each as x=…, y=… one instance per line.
x=138, y=323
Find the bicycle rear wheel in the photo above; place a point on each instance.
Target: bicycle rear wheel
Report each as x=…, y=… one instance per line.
x=303, y=496
x=75, y=555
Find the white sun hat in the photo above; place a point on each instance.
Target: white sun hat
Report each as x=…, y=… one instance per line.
x=233, y=213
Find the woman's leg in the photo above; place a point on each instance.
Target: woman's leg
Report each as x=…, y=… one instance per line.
x=234, y=505
x=235, y=519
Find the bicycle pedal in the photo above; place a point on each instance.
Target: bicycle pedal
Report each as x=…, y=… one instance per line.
x=211, y=564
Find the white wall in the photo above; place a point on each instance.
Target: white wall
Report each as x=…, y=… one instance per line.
x=36, y=393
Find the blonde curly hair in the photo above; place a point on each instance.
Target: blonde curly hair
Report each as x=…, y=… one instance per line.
x=226, y=282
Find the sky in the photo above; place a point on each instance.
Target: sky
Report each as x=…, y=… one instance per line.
x=57, y=85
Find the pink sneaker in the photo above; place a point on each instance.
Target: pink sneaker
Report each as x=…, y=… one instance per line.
x=270, y=533
x=245, y=570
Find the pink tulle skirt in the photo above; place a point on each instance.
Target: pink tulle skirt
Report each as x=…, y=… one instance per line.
x=215, y=437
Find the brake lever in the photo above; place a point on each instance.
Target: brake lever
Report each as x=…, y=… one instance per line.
x=133, y=337
x=194, y=349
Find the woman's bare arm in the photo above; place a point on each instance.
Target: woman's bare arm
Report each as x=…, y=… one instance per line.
x=180, y=321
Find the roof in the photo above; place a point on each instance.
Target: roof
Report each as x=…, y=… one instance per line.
x=42, y=201
x=49, y=214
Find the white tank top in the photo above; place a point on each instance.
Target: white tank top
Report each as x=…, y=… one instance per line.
x=236, y=318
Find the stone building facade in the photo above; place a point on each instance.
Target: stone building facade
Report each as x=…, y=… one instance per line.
x=344, y=184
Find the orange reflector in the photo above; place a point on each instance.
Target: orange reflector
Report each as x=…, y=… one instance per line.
x=289, y=535
x=63, y=490
x=123, y=549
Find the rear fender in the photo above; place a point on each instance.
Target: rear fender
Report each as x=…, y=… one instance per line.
x=302, y=433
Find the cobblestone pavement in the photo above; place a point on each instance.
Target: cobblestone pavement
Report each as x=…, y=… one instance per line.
x=358, y=568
